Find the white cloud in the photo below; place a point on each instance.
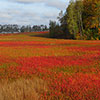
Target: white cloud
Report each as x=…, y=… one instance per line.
x=59, y=4
x=30, y=11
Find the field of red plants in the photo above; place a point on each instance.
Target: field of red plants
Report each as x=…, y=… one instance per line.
x=70, y=68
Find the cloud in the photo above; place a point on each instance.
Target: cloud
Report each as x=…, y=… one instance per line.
x=59, y=4
x=30, y=11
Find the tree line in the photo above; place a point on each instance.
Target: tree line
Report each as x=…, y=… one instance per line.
x=14, y=28
x=81, y=20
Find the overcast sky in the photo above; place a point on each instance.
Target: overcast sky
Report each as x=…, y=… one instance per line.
x=25, y=12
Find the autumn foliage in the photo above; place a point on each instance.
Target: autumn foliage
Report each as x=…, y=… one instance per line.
x=80, y=21
x=48, y=69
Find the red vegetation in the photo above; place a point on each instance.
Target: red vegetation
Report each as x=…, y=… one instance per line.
x=71, y=69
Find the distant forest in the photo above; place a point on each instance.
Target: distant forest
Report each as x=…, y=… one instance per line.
x=81, y=20
x=16, y=28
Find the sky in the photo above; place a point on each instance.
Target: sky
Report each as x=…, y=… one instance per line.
x=30, y=12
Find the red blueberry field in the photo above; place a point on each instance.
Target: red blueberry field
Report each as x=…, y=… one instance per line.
x=33, y=67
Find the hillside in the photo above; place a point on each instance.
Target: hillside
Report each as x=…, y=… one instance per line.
x=48, y=69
